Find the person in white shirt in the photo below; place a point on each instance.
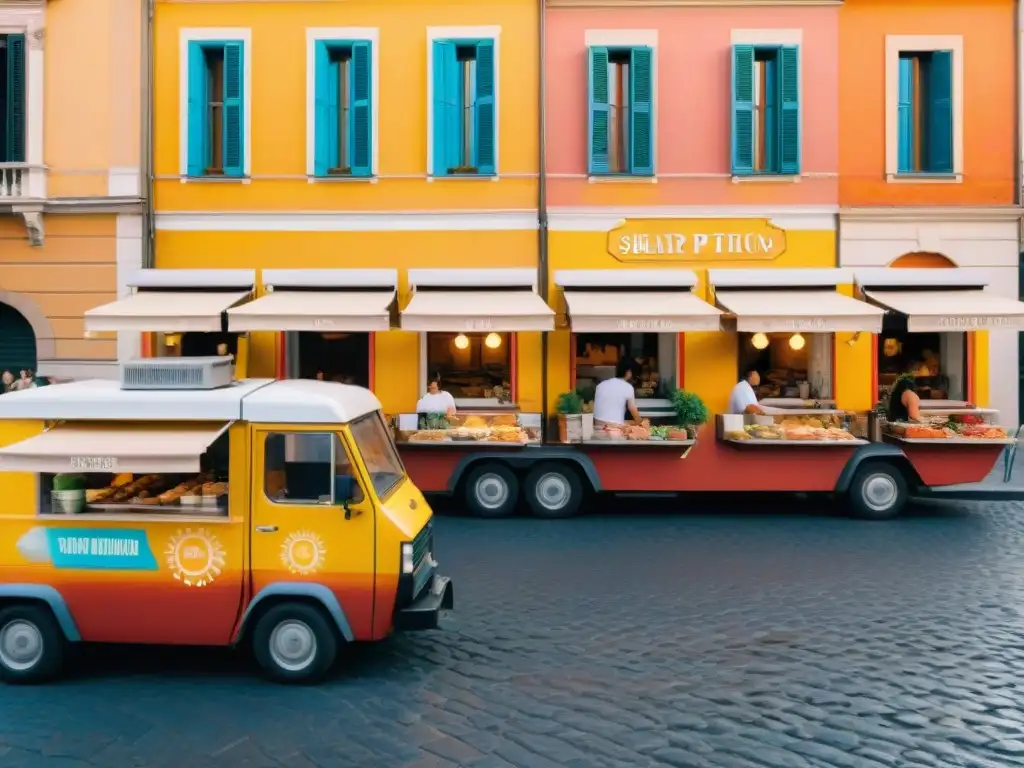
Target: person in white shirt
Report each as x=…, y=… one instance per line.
x=742, y=399
x=614, y=397
x=436, y=400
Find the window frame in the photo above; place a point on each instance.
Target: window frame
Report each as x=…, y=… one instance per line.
x=776, y=85
x=336, y=443
x=342, y=36
x=209, y=37
x=460, y=36
x=894, y=46
x=378, y=418
x=630, y=170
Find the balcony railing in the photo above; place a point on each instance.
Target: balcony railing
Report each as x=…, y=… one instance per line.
x=21, y=181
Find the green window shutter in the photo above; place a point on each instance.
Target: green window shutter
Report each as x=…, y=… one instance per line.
x=446, y=86
x=641, y=112
x=597, y=125
x=742, y=110
x=14, y=152
x=789, y=112
x=198, y=124
x=234, y=117
x=361, y=133
x=483, y=109
x=322, y=109
x=939, y=149
x=905, y=116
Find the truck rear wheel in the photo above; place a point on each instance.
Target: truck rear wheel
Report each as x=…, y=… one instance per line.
x=492, y=490
x=878, y=492
x=295, y=643
x=31, y=645
x=553, y=491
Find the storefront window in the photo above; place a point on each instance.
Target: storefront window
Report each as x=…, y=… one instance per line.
x=597, y=355
x=196, y=344
x=938, y=361
x=472, y=366
x=791, y=365
x=340, y=357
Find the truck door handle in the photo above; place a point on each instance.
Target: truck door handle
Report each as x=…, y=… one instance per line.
x=266, y=528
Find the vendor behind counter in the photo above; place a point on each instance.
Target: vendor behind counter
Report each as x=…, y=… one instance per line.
x=616, y=397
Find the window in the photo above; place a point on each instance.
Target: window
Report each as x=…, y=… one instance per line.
x=379, y=455
x=791, y=365
x=597, y=355
x=464, y=128
x=343, y=115
x=300, y=467
x=925, y=112
x=621, y=116
x=765, y=110
x=340, y=357
x=472, y=366
x=12, y=98
x=215, y=114
x=937, y=361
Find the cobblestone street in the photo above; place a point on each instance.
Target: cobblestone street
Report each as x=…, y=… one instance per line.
x=714, y=639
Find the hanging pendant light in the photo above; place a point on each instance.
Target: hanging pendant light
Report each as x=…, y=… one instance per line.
x=461, y=341
x=796, y=341
x=759, y=341
x=493, y=341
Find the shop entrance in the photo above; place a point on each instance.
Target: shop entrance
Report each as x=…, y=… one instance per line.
x=17, y=342
x=791, y=365
x=196, y=344
x=937, y=361
x=340, y=357
x=597, y=354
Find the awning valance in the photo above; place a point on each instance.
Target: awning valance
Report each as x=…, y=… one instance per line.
x=807, y=311
x=482, y=311
x=321, y=311
x=170, y=311
x=952, y=310
x=638, y=311
x=67, y=449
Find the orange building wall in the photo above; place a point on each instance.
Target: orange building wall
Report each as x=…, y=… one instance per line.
x=988, y=28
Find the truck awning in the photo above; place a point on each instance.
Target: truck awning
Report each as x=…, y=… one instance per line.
x=168, y=311
x=71, y=449
x=321, y=311
x=799, y=310
x=952, y=310
x=477, y=310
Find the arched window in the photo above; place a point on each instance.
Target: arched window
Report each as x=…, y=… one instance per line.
x=17, y=341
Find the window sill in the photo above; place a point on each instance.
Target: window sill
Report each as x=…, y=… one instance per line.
x=342, y=179
x=767, y=178
x=463, y=177
x=924, y=178
x=621, y=178
x=216, y=180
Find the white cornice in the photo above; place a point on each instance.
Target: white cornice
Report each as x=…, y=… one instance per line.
x=684, y=3
x=937, y=213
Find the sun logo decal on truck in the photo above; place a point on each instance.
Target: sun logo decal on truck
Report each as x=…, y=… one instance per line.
x=196, y=558
x=303, y=552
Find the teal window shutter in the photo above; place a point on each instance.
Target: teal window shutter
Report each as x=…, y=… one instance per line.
x=446, y=84
x=14, y=152
x=939, y=150
x=597, y=125
x=483, y=110
x=905, y=116
x=641, y=112
x=742, y=110
x=788, y=72
x=322, y=109
x=198, y=135
x=234, y=150
x=361, y=133
x=333, y=94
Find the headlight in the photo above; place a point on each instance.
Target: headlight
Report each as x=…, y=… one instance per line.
x=407, y=563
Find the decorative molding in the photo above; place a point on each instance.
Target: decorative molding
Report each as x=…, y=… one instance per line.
x=369, y=221
x=33, y=218
x=798, y=218
x=687, y=3
x=938, y=213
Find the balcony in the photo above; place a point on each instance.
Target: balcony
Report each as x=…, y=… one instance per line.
x=21, y=181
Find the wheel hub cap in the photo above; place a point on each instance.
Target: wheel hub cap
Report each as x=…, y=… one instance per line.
x=491, y=491
x=21, y=645
x=880, y=492
x=553, y=491
x=293, y=645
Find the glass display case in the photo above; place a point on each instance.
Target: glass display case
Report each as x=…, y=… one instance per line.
x=480, y=428
x=950, y=426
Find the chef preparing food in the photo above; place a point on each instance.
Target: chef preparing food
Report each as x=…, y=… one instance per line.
x=742, y=399
x=614, y=397
x=436, y=400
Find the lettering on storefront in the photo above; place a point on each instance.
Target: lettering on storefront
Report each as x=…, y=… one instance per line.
x=800, y=323
x=478, y=324
x=979, y=321
x=323, y=323
x=667, y=240
x=645, y=325
x=93, y=463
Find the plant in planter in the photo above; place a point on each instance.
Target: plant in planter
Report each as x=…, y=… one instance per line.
x=68, y=496
x=570, y=417
x=691, y=413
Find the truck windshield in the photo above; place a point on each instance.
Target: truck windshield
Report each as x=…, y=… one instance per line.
x=378, y=451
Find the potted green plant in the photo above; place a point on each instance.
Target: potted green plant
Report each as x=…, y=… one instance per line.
x=586, y=393
x=691, y=414
x=570, y=417
x=68, y=494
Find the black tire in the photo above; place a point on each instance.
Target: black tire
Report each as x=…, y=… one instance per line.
x=271, y=649
x=32, y=645
x=553, y=491
x=491, y=490
x=878, y=492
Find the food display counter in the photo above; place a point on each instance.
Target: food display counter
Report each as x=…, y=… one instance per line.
x=795, y=428
x=495, y=429
x=167, y=494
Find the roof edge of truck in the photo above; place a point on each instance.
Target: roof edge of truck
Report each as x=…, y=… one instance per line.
x=254, y=400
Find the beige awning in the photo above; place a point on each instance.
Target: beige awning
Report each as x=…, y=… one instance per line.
x=638, y=311
x=168, y=311
x=314, y=311
x=782, y=311
x=952, y=310
x=484, y=310
x=67, y=449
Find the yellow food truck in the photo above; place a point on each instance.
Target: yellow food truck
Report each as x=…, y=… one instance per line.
x=177, y=506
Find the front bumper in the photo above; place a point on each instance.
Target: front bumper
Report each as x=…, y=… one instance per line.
x=425, y=612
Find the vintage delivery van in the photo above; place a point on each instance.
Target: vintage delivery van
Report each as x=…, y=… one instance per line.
x=180, y=507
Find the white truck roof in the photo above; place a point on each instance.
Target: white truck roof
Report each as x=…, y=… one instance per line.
x=255, y=400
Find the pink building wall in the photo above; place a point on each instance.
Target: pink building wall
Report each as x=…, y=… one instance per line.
x=692, y=107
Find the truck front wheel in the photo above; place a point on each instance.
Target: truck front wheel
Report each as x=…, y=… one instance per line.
x=878, y=492
x=294, y=643
x=492, y=490
x=553, y=491
x=31, y=645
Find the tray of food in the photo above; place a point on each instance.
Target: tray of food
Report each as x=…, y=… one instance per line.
x=950, y=432
x=777, y=434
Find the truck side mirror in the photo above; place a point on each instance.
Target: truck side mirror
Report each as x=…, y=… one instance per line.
x=344, y=492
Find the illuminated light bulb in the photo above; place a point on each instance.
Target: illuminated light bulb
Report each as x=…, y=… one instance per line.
x=796, y=341
x=493, y=341
x=461, y=341
x=759, y=341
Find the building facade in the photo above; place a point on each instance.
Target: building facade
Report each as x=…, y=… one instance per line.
x=71, y=188
x=927, y=160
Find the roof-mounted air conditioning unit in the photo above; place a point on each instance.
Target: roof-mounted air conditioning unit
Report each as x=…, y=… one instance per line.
x=177, y=373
